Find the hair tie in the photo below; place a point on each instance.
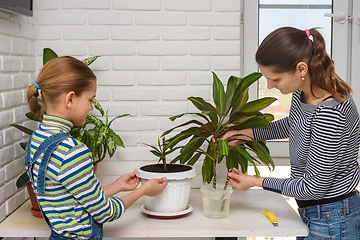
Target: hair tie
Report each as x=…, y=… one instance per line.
x=308, y=34
x=36, y=85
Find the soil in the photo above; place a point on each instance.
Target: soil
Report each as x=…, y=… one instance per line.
x=171, y=168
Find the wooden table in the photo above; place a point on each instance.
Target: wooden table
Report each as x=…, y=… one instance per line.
x=245, y=220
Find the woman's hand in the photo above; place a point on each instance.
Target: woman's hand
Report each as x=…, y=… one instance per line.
x=243, y=182
x=233, y=139
x=128, y=182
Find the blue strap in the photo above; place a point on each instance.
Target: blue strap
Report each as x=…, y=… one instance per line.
x=47, y=147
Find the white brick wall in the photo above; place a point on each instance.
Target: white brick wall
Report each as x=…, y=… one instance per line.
x=17, y=70
x=154, y=54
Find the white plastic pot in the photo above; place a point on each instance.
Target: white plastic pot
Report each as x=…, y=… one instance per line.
x=175, y=196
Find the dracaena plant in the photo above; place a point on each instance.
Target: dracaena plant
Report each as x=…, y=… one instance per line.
x=161, y=151
x=96, y=134
x=231, y=111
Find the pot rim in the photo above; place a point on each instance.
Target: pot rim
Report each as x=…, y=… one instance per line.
x=170, y=176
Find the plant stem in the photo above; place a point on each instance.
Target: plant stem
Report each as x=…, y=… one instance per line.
x=214, y=170
x=225, y=186
x=163, y=153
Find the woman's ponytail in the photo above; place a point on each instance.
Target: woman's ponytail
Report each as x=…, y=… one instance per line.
x=322, y=70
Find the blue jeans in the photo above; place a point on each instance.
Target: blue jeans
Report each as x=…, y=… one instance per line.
x=96, y=228
x=333, y=221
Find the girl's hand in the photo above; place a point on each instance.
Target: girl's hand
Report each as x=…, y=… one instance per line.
x=129, y=181
x=154, y=186
x=243, y=182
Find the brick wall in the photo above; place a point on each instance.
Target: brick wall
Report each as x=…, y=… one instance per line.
x=154, y=54
x=17, y=70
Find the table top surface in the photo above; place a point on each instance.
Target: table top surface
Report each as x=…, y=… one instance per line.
x=245, y=219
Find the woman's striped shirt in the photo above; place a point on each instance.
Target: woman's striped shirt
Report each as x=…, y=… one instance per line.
x=323, y=147
x=72, y=191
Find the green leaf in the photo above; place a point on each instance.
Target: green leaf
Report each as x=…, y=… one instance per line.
x=218, y=95
x=111, y=146
x=23, y=129
x=96, y=121
x=193, y=145
x=255, y=122
x=258, y=104
x=182, y=125
x=120, y=116
x=23, y=145
x=249, y=79
x=197, y=114
x=231, y=160
x=207, y=168
x=156, y=153
x=23, y=180
x=230, y=92
x=194, y=159
x=117, y=139
x=239, y=117
x=240, y=99
x=224, y=147
x=98, y=106
x=89, y=60
x=48, y=54
x=205, y=107
x=269, y=117
x=32, y=116
x=103, y=135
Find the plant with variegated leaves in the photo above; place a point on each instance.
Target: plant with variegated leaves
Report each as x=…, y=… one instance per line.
x=100, y=139
x=232, y=111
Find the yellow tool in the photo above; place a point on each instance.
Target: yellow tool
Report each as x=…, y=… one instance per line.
x=271, y=216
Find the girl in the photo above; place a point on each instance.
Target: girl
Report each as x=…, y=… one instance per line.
x=72, y=201
x=323, y=132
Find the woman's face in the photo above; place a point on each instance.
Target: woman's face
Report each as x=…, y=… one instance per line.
x=83, y=105
x=286, y=83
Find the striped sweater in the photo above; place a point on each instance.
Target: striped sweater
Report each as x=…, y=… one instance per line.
x=72, y=191
x=323, y=147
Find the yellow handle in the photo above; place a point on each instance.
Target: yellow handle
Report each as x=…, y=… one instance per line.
x=271, y=215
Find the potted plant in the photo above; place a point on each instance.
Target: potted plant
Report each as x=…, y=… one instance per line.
x=96, y=134
x=231, y=111
x=173, y=201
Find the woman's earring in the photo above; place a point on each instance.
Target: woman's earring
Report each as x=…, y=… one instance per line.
x=69, y=109
x=302, y=78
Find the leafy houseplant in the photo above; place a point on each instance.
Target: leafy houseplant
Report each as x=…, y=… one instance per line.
x=96, y=134
x=231, y=111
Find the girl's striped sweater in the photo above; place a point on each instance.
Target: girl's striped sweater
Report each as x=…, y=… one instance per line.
x=72, y=191
x=323, y=146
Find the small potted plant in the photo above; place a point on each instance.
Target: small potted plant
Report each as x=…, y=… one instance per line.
x=96, y=134
x=173, y=201
x=231, y=111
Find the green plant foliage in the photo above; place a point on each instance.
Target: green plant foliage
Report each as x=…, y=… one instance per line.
x=231, y=111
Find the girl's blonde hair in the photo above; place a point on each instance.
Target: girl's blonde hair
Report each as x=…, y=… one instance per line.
x=285, y=47
x=59, y=75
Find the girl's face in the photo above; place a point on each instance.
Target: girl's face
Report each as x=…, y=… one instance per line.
x=82, y=105
x=286, y=83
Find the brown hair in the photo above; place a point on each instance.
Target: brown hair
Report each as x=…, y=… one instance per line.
x=57, y=76
x=285, y=47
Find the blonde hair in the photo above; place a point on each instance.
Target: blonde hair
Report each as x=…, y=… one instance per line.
x=59, y=75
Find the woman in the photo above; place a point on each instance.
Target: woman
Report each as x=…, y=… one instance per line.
x=323, y=132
